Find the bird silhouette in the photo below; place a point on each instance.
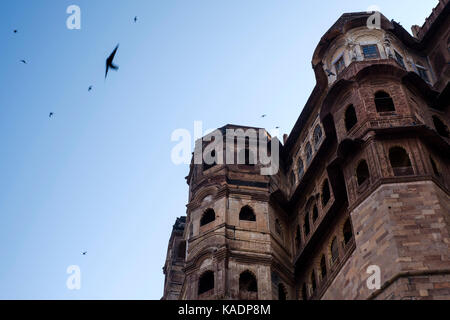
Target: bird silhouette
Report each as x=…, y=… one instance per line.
x=50, y=114
x=135, y=19
x=84, y=253
x=23, y=61
x=329, y=73
x=90, y=88
x=15, y=31
x=109, y=62
x=264, y=115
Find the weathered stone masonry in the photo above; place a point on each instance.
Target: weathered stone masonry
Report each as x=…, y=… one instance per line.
x=364, y=180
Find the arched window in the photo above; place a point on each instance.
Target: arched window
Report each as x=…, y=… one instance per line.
x=440, y=126
x=315, y=213
x=282, y=294
x=317, y=136
x=298, y=238
x=384, y=102
x=325, y=193
x=208, y=217
x=301, y=168
x=292, y=178
x=323, y=267
x=313, y=282
x=248, y=286
x=334, y=250
x=247, y=214
x=435, y=168
x=278, y=227
x=347, y=231
x=350, y=118
x=308, y=151
x=207, y=166
x=362, y=172
x=206, y=282
x=306, y=224
x=400, y=162
x=304, y=292
x=182, y=250
x=246, y=157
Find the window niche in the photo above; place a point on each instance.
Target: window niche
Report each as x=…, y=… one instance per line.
x=282, y=292
x=208, y=216
x=248, y=286
x=300, y=168
x=315, y=214
x=334, y=250
x=362, y=172
x=350, y=118
x=441, y=127
x=278, y=228
x=206, y=282
x=323, y=267
x=347, y=232
x=384, y=102
x=400, y=162
x=326, y=195
x=370, y=51
x=308, y=152
x=318, y=134
x=298, y=238
x=247, y=214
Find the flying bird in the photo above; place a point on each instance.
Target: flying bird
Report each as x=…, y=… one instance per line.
x=264, y=115
x=329, y=73
x=23, y=61
x=50, y=114
x=135, y=19
x=90, y=88
x=15, y=31
x=84, y=253
x=109, y=61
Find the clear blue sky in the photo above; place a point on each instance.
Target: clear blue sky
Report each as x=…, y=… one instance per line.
x=98, y=176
